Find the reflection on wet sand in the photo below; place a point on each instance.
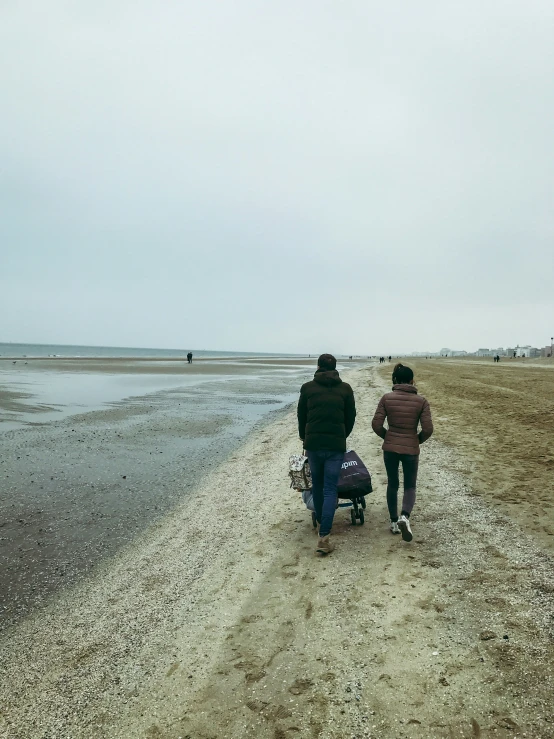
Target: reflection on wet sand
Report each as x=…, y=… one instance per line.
x=55, y=388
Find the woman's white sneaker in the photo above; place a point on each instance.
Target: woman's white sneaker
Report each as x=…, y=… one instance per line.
x=394, y=527
x=405, y=530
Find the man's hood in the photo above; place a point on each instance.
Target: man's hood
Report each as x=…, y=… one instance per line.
x=327, y=377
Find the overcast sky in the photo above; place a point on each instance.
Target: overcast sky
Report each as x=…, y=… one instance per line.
x=278, y=175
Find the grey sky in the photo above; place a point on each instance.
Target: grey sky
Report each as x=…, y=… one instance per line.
x=348, y=176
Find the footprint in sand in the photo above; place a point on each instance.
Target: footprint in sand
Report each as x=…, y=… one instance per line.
x=174, y=667
x=251, y=619
x=300, y=686
x=256, y=676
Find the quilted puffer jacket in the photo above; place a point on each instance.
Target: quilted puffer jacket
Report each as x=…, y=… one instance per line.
x=404, y=409
x=326, y=412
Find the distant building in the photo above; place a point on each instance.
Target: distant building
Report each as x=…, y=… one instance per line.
x=452, y=352
x=526, y=351
x=484, y=353
x=546, y=351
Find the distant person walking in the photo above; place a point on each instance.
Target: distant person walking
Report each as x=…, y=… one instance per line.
x=404, y=409
x=189, y=357
x=326, y=416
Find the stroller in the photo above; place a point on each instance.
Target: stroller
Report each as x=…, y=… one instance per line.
x=354, y=484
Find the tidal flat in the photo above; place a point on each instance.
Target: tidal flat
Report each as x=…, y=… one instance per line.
x=94, y=451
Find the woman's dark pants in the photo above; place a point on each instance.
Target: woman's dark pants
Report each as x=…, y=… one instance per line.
x=409, y=467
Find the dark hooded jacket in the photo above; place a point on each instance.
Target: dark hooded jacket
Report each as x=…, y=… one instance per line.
x=326, y=412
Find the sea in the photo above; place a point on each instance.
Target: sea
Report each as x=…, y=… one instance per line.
x=70, y=350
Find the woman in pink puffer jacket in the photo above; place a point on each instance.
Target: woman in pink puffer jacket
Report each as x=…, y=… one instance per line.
x=404, y=410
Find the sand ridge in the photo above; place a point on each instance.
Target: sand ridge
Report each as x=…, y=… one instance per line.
x=222, y=622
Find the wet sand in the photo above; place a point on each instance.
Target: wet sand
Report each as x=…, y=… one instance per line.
x=164, y=365
x=216, y=627
x=52, y=388
x=76, y=490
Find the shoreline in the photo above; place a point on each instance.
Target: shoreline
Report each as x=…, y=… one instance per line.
x=41, y=392
x=261, y=359
x=79, y=488
x=44, y=391
x=154, y=358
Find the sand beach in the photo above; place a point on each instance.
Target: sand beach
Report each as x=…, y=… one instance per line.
x=199, y=201
x=499, y=420
x=216, y=619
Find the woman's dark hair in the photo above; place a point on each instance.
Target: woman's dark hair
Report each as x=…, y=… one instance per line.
x=327, y=362
x=402, y=375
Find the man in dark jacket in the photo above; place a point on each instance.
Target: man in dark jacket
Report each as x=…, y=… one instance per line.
x=326, y=415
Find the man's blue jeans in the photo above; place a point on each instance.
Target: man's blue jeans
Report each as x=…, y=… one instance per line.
x=325, y=467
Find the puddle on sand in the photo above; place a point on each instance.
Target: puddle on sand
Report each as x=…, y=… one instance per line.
x=30, y=397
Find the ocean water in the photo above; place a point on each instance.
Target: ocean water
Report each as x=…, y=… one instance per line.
x=68, y=350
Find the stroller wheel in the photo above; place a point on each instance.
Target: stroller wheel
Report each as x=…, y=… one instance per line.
x=362, y=502
x=353, y=516
x=361, y=517
x=314, y=520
